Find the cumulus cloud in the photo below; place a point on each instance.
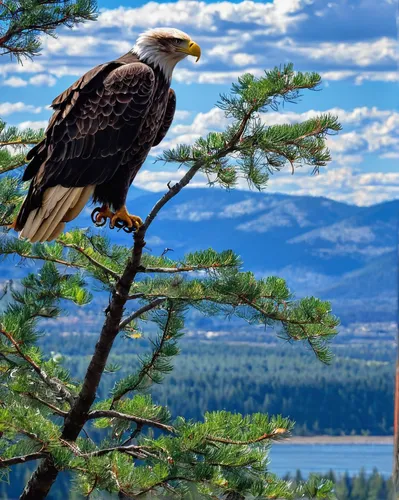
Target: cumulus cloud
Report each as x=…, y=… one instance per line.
x=274, y=17
x=157, y=180
x=373, y=130
x=15, y=81
x=360, y=77
x=183, y=75
x=332, y=38
x=43, y=80
x=34, y=125
x=362, y=54
x=341, y=184
x=26, y=67
x=237, y=37
x=8, y=108
x=181, y=115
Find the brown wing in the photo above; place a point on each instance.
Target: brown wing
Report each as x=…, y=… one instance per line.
x=62, y=104
x=97, y=117
x=168, y=118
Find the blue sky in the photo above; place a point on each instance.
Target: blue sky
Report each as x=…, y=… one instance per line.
x=352, y=43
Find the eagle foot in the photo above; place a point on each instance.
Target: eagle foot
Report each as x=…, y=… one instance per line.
x=100, y=215
x=123, y=220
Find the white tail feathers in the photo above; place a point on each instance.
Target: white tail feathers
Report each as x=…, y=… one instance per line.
x=59, y=205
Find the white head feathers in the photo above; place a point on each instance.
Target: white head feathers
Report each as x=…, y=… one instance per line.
x=163, y=48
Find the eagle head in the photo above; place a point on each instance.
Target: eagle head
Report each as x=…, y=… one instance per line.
x=165, y=47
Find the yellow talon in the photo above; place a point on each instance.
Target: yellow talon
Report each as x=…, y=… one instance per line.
x=123, y=215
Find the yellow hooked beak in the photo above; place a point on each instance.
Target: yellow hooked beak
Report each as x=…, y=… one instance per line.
x=192, y=49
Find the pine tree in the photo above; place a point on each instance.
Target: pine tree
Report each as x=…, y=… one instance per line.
x=46, y=414
x=342, y=487
x=360, y=486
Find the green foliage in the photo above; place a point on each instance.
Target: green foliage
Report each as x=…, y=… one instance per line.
x=139, y=447
x=14, y=145
x=248, y=148
x=23, y=22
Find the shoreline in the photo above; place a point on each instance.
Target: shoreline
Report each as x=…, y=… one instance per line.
x=337, y=440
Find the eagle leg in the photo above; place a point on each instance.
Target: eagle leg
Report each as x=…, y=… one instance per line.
x=122, y=218
x=100, y=215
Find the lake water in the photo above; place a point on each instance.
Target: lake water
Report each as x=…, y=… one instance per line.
x=320, y=458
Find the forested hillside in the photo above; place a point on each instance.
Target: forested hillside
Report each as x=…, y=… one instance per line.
x=354, y=395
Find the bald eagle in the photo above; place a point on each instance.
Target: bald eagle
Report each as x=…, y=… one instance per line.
x=99, y=136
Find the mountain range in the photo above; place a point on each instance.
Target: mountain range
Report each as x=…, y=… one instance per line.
x=339, y=252
x=343, y=253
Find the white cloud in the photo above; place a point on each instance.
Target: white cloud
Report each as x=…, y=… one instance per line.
x=361, y=76
x=373, y=129
x=361, y=54
x=39, y=80
x=202, y=123
x=383, y=134
x=188, y=133
x=348, y=142
x=181, y=115
x=275, y=17
x=67, y=70
x=43, y=80
x=355, y=116
x=183, y=75
x=15, y=81
x=8, y=108
x=343, y=184
x=242, y=59
x=236, y=38
x=154, y=240
x=26, y=67
x=156, y=181
x=34, y=125
x=69, y=45
x=393, y=155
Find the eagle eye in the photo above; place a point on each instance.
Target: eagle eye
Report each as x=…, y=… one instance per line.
x=177, y=41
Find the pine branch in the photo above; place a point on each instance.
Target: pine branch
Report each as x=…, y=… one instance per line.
x=133, y=435
x=25, y=22
x=93, y=261
x=55, y=385
x=123, y=416
x=22, y=459
x=18, y=142
x=130, y=450
x=13, y=166
x=148, y=307
x=56, y=410
x=273, y=435
x=42, y=257
x=148, y=367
